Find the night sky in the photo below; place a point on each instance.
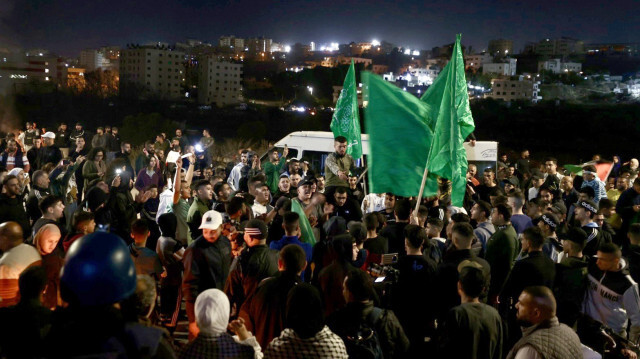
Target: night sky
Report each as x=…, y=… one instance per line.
x=67, y=26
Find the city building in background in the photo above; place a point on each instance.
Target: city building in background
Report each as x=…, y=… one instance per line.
x=508, y=89
x=18, y=69
x=563, y=46
x=557, y=66
x=231, y=41
x=105, y=58
x=156, y=69
x=219, y=82
x=506, y=68
x=475, y=62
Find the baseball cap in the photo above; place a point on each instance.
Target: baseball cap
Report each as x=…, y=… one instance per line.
x=589, y=205
x=469, y=263
x=49, y=134
x=309, y=180
x=211, y=220
x=559, y=205
x=512, y=180
x=574, y=234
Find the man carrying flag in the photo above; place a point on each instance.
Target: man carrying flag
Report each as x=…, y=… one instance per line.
x=337, y=167
x=348, y=140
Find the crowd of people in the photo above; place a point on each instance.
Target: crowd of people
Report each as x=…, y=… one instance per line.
x=103, y=253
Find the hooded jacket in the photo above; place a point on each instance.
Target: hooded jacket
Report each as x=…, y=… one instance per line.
x=570, y=288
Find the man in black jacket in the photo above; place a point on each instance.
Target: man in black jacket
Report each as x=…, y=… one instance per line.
x=11, y=207
x=206, y=264
x=569, y=193
x=534, y=269
x=63, y=141
x=447, y=277
x=571, y=276
x=584, y=213
x=394, y=232
x=360, y=311
x=633, y=255
x=255, y=263
x=628, y=207
x=264, y=310
x=79, y=132
x=49, y=153
x=39, y=190
x=412, y=299
x=346, y=207
x=472, y=329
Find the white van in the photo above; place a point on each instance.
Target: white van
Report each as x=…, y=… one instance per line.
x=315, y=146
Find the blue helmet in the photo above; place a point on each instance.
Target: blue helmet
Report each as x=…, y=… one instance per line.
x=98, y=270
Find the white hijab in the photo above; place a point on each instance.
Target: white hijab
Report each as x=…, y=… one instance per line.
x=212, y=311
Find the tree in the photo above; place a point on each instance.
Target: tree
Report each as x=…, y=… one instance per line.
x=144, y=127
x=101, y=84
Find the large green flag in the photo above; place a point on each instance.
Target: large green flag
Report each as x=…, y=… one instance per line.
x=399, y=138
x=307, y=235
x=447, y=103
x=346, y=121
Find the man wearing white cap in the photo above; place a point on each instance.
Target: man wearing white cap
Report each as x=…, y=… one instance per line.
x=206, y=264
x=49, y=153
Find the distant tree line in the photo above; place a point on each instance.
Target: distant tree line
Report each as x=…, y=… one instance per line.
x=571, y=132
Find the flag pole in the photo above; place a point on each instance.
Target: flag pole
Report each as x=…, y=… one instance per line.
x=424, y=179
x=361, y=178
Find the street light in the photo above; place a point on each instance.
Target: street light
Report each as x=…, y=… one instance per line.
x=310, y=90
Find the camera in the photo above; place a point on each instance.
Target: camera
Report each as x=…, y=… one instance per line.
x=118, y=172
x=384, y=273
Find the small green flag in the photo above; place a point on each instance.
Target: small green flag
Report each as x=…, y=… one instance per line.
x=305, y=227
x=447, y=102
x=577, y=169
x=346, y=121
x=399, y=138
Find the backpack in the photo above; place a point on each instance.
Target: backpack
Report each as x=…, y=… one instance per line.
x=365, y=343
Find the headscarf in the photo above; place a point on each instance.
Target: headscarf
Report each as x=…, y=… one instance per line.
x=212, y=311
x=15, y=171
x=47, y=231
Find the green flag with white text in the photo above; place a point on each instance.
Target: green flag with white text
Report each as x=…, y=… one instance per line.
x=346, y=121
x=399, y=139
x=447, y=106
